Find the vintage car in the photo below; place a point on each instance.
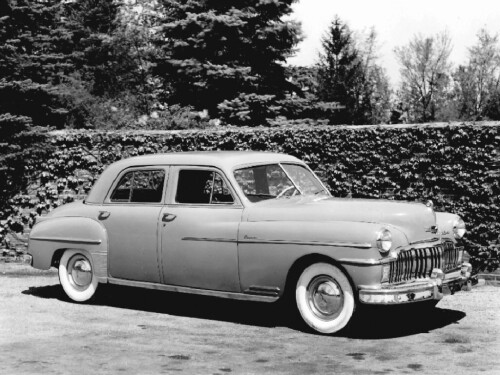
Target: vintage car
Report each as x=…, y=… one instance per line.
x=251, y=226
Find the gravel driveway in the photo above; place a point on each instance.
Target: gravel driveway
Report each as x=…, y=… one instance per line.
x=135, y=331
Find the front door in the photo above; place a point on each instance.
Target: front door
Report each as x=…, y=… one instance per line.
x=199, y=231
x=131, y=216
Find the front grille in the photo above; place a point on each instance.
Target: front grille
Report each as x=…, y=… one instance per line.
x=419, y=263
x=451, y=256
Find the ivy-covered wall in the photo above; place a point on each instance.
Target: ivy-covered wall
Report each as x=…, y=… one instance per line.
x=455, y=165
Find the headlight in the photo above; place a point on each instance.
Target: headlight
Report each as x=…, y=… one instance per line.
x=384, y=241
x=459, y=228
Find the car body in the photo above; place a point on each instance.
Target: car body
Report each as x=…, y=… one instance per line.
x=252, y=226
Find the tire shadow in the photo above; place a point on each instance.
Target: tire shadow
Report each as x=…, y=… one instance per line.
x=383, y=322
x=368, y=323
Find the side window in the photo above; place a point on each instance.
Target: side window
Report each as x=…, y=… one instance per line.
x=202, y=187
x=144, y=186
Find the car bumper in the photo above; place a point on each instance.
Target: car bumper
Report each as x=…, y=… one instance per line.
x=433, y=288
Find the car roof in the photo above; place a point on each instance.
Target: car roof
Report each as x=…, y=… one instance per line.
x=224, y=160
x=221, y=159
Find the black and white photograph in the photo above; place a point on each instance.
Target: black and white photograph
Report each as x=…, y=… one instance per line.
x=250, y=187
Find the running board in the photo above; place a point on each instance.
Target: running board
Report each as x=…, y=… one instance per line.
x=203, y=292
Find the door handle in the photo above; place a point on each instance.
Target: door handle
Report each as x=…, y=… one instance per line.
x=168, y=218
x=103, y=215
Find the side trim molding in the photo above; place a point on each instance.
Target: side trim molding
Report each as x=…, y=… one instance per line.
x=310, y=243
x=263, y=290
x=249, y=240
x=70, y=240
x=205, y=239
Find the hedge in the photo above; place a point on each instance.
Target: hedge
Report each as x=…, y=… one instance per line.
x=454, y=165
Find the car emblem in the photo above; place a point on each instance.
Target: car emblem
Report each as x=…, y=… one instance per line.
x=433, y=229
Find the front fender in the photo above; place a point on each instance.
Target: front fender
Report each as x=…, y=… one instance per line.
x=445, y=221
x=57, y=233
x=267, y=250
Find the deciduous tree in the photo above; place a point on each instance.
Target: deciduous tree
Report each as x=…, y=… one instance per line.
x=425, y=73
x=477, y=82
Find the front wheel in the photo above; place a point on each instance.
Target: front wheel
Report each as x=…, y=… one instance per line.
x=77, y=276
x=324, y=298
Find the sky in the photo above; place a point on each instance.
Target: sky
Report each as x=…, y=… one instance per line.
x=396, y=22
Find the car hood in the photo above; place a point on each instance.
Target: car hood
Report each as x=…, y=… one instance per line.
x=413, y=219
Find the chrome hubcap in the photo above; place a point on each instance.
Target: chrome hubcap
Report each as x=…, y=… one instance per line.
x=79, y=271
x=325, y=297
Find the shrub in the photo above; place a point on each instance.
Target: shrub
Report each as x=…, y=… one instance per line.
x=453, y=165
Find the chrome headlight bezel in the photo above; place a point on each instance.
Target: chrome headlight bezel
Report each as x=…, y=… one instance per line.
x=459, y=228
x=384, y=241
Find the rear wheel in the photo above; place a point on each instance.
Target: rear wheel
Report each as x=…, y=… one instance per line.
x=324, y=298
x=76, y=275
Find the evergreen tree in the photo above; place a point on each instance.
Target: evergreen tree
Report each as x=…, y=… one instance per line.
x=226, y=56
x=31, y=62
x=340, y=72
x=91, y=25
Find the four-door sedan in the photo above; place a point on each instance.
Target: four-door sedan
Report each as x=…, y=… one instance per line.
x=252, y=226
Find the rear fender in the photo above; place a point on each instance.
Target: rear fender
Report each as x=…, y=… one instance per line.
x=52, y=236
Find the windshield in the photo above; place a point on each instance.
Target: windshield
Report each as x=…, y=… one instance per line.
x=277, y=181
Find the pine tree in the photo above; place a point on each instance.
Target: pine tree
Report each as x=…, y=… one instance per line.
x=221, y=54
x=340, y=71
x=30, y=61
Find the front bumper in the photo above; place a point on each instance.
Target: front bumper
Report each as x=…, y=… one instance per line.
x=433, y=288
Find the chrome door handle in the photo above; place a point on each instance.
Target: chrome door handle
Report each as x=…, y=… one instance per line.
x=168, y=217
x=103, y=215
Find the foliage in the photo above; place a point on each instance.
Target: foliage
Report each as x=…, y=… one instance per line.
x=425, y=74
x=60, y=60
x=225, y=56
x=305, y=77
x=19, y=142
x=478, y=82
x=340, y=70
x=30, y=62
x=348, y=73
x=453, y=165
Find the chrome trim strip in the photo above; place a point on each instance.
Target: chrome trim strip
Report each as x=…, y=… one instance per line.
x=311, y=243
x=209, y=239
x=428, y=240
x=71, y=240
x=263, y=290
x=360, y=262
x=408, y=289
x=183, y=289
x=281, y=242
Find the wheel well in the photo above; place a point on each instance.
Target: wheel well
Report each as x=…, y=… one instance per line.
x=300, y=265
x=57, y=257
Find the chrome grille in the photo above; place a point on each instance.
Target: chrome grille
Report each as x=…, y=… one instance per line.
x=419, y=263
x=415, y=263
x=451, y=256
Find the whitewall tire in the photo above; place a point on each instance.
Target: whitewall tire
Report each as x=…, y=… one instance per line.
x=76, y=275
x=324, y=298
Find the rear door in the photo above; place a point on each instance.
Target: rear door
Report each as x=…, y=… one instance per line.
x=131, y=215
